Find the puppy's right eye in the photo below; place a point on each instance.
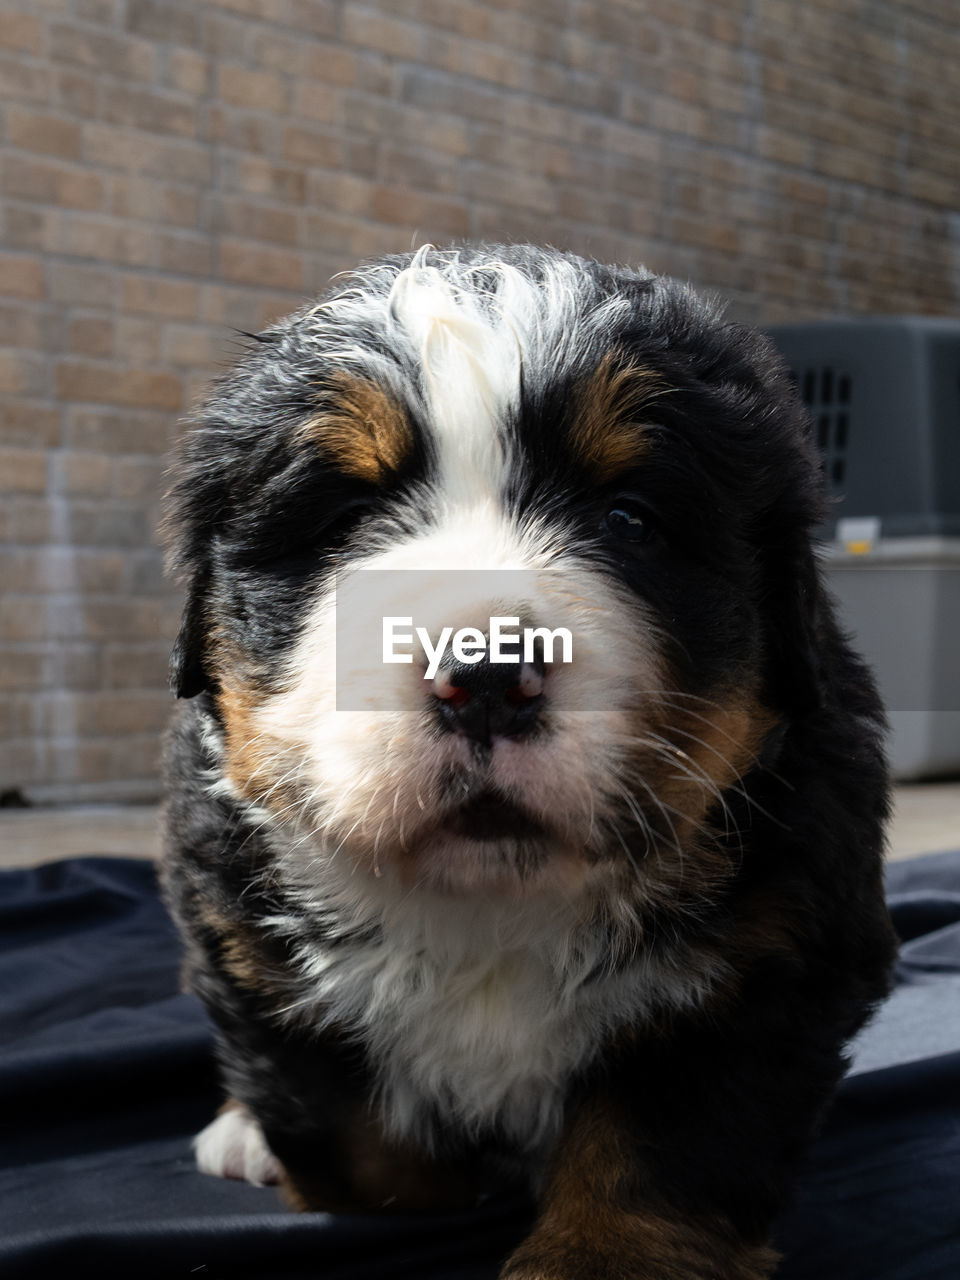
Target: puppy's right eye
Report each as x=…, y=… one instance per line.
x=302, y=537
x=341, y=522
x=627, y=521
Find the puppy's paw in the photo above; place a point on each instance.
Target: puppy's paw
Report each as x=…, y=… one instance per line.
x=233, y=1146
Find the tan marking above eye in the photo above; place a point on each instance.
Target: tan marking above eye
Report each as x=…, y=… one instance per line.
x=361, y=427
x=607, y=434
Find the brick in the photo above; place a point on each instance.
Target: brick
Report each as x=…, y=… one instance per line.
x=240, y=131
x=109, y=239
x=33, y=227
x=449, y=94
x=413, y=208
x=149, y=110
x=114, y=147
x=152, y=201
x=227, y=305
x=303, y=145
x=81, y=473
x=138, y=478
x=21, y=373
x=34, y=329
x=25, y=422
x=252, y=90
x=523, y=190
x=316, y=102
x=250, y=263
x=153, y=295
x=95, y=523
x=22, y=471
x=23, y=617
x=804, y=191
x=224, y=37
x=126, y=713
x=22, y=670
x=613, y=25
x=148, y=576
x=134, y=666
x=91, y=336
x=112, y=432
x=107, y=384
x=21, y=277
x=374, y=30
x=185, y=344
x=132, y=619
x=50, y=183
x=446, y=134
x=400, y=165
x=111, y=55
x=163, y=21
x=184, y=254
x=278, y=51
x=91, y=286
x=580, y=92
x=75, y=92
x=112, y=763
x=332, y=64
x=452, y=15
x=32, y=521
x=187, y=71
x=136, y=340
x=256, y=222
x=197, y=386
x=258, y=177
x=23, y=82
x=22, y=31
x=96, y=12
x=40, y=131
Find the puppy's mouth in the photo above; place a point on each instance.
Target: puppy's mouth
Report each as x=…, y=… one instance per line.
x=490, y=815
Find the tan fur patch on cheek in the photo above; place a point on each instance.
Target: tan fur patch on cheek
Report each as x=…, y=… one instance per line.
x=607, y=435
x=709, y=747
x=361, y=428
x=254, y=763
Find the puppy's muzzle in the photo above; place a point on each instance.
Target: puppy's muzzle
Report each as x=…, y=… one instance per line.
x=486, y=700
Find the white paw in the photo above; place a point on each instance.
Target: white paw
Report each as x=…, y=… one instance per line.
x=233, y=1146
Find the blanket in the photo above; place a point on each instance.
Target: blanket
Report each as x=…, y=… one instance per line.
x=106, y=1072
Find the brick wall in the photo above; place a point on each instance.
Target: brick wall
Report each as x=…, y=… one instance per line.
x=173, y=170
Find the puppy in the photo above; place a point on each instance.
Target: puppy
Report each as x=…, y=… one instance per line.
x=596, y=924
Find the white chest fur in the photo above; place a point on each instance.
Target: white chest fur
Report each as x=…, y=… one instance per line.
x=477, y=1014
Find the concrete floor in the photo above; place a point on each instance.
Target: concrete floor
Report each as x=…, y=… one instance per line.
x=926, y=819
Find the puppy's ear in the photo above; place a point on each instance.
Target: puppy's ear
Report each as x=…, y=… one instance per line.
x=188, y=666
x=797, y=614
x=193, y=510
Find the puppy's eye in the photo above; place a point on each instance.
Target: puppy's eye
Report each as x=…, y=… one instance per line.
x=334, y=530
x=628, y=522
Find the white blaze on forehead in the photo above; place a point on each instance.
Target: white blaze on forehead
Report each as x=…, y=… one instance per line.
x=469, y=343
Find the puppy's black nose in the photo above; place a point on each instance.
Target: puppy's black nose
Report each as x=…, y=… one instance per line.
x=484, y=699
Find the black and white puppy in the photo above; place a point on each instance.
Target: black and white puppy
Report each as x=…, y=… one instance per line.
x=599, y=927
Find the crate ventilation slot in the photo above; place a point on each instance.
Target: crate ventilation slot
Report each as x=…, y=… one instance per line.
x=828, y=394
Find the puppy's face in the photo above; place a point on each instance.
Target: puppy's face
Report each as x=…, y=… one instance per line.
x=462, y=436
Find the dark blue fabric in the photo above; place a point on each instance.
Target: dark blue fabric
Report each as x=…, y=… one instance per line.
x=106, y=1073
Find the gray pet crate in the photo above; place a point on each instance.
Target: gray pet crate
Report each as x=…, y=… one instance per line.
x=884, y=402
